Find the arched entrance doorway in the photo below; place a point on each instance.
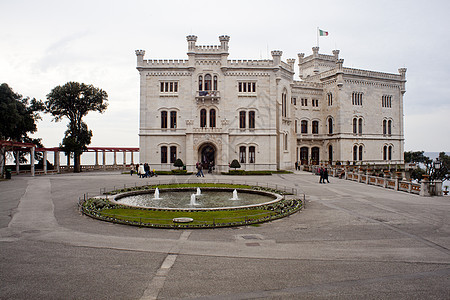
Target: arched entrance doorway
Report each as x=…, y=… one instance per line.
x=207, y=156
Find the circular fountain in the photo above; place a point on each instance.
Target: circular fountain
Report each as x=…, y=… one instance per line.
x=196, y=199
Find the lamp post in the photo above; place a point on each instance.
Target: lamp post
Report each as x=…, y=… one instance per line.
x=437, y=166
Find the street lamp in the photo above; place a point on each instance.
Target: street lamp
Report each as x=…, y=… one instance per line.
x=437, y=164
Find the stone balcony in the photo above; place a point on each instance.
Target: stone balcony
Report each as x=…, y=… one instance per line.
x=203, y=97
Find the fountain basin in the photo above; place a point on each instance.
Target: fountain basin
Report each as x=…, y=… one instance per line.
x=210, y=199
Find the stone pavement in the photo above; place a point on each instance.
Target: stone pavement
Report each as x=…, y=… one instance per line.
x=352, y=241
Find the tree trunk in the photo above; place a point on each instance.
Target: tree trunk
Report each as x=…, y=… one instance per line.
x=76, y=163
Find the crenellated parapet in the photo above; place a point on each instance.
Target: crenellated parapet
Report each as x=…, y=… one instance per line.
x=206, y=49
x=166, y=63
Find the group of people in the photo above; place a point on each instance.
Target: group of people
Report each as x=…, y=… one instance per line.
x=143, y=171
x=323, y=172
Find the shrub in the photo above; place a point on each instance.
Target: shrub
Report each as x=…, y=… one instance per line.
x=178, y=163
x=235, y=164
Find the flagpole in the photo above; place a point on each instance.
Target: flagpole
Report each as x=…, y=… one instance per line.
x=317, y=36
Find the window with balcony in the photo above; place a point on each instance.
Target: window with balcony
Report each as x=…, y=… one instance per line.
x=215, y=83
x=207, y=86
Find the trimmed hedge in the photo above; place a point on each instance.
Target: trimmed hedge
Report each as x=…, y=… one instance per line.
x=243, y=172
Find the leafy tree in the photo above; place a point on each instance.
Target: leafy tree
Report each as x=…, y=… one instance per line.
x=18, y=117
x=74, y=101
x=178, y=163
x=235, y=164
x=427, y=166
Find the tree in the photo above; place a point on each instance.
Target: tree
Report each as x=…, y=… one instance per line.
x=18, y=117
x=235, y=164
x=178, y=163
x=429, y=165
x=74, y=101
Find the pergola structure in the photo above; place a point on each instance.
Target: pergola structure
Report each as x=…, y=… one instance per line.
x=11, y=146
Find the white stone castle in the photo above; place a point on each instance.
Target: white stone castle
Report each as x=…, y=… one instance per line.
x=212, y=110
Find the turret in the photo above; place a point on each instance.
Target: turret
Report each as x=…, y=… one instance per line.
x=276, y=56
x=340, y=72
x=224, y=39
x=191, y=42
x=301, y=57
x=291, y=62
x=336, y=54
x=140, y=56
x=402, y=72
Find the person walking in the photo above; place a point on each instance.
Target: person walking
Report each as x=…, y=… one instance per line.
x=321, y=174
x=325, y=175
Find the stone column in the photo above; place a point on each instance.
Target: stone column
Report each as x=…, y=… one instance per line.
x=425, y=187
x=17, y=163
x=96, y=158
x=56, y=162
x=44, y=162
x=32, y=160
x=132, y=157
x=115, y=158
x=124, y=158
x=104, y=159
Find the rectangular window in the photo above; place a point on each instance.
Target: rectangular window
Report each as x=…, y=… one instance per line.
x=304, y=101
x=247, y=87
x=315, y=102
x=357, y=98
x=168, y=88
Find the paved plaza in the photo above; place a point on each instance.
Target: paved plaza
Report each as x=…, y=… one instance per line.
x=352, y=241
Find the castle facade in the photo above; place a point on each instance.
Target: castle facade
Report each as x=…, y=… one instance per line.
x=212, y=110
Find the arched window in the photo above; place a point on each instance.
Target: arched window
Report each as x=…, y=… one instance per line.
x=173, y=154
x=390, y=152
x=389, y=127
x=215, y=83
x=360, y=152
x=173, y=119
x=251, y=154
x=164, y=119
x=385, y=153
x=355, y=127
x=315, y=155
x=360, y=124
x=212, y=118
x=315, y=127
x=330, y=154
x=304, y=153
x=355, y=153
x=251, y=119
x=284, y=104
x=242, y=154
x=200, y=83
x=304, y=126
x=164, y=154
x=285, y=142
x=207, y=82
x=242, y=119
x=203, y=118
x=384, y=127
x=330, y=126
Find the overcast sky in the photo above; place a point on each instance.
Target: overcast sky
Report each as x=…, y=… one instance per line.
x=48, y=43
